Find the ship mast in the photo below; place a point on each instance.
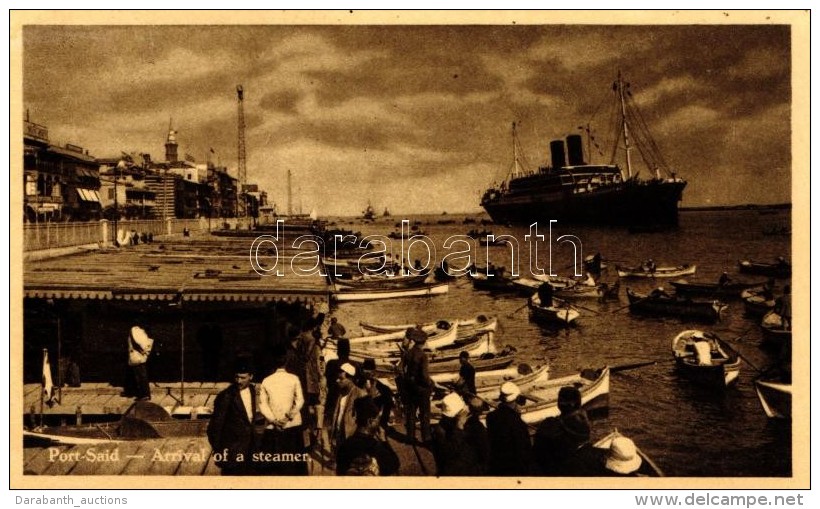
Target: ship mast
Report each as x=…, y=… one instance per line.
x=624, y=125
x=518, y=168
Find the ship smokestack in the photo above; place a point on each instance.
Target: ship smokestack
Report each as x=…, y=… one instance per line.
x=576, y=149
x=559, y=160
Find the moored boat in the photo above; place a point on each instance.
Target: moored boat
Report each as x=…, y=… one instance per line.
x=380, y=281
x=541, y=400
x=781, y=269
x=704, y=358
x=360, y=294
x=466, y=327
x=656, y=272
x=443, y=333
x=658, y=303
x=755, y=303
x=775, y=397
x=493, y=283
x=713, y=290
x=774, y=332
x=562, y=314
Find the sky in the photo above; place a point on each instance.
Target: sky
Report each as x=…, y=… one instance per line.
x=418, y=118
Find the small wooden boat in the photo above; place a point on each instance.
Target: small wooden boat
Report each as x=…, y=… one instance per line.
x=380, y=281
x=648, y=467
x=466, y=327
x=775, y=397
x=484, y=362
x=661, y=304
x=583, y=291
x=755, y=304
x=487, y=382
x=706, y=359
x=713, y=290
x=475, y=346
x=774, y=334
x=143, y=420
x=560, y=312
x=645, y=272
x=540, y=400
x=494, y=283
x=781, y=269
x=346, y=294
x=443, y=333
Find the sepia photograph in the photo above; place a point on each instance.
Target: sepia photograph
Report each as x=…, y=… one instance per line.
x=458, y=249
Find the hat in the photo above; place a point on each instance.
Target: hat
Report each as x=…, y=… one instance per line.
x=698, y=335
x=243, y=364
x=139, y=334
x=509, y=392
x=476, y=405
x=623, y=456
x=569, y=398
x=452, y=404
x=369, y=364
x=349, y=369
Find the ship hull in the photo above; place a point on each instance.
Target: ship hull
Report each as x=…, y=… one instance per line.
x=653, y=203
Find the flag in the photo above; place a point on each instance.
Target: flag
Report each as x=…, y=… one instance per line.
x=48, y=385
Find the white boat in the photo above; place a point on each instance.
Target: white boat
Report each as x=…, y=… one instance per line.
x=775, y=398
x=466, y=327
x=445, y=333
x=350, y=295
x=643, y=271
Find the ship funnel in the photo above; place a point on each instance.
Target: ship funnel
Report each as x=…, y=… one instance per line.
x=575, y=149
x=559, y=160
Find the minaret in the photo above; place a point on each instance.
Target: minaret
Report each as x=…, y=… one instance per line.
x=171, y=144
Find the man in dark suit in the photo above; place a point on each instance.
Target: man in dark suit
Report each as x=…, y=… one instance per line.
x=510, y=447
x=231, y=431
x=418, y=386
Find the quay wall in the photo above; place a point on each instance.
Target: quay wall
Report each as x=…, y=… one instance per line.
x=55, y=239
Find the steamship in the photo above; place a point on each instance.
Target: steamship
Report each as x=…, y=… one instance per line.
x=573, y=191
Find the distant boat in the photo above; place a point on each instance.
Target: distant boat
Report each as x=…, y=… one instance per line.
x=369, y=213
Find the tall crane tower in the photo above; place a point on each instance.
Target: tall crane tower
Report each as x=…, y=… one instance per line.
x=243, y=170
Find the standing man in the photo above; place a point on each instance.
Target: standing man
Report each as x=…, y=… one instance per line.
x=465, y=385
x=281, y=401
x=230, y=430
x=419, y=386
x=139, y=349
x=369, y=440
x=510, y=448
x=559, y=439
x=336, y=330
x=453, y=452
x=380, y=393
x=344, y=420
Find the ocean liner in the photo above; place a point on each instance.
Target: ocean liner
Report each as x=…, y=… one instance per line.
x=573, y=191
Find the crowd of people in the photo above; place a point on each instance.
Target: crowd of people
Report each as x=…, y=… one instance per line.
x=342, y=411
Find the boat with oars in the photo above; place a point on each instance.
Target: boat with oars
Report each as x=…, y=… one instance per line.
x=659, y=303
x=705, y=359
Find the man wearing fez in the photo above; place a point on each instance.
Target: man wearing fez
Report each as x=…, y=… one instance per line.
x=369, y=440
x=344, y=421
x=230, y=430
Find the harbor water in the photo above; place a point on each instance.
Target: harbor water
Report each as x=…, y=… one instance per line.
x=688, y=430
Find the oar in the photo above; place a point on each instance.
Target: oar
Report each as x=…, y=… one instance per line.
x=637, y=301
x=636, y=365
x=510, y=315
x=585, y=308
x=747, y=361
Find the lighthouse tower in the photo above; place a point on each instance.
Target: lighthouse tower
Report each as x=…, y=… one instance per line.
x=171, y=145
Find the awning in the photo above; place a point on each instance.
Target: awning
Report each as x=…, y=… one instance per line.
x=88, y=195
x=85, y=172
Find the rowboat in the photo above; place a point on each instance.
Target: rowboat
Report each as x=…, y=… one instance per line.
x=775, y=398
x=583, y=291
x=755, y=304
x=466, y=327
x=360, y=294
x=494, y=283
x=380, y=281
x=706, y=359
x=442, y=333
x=774, y=333
x=563, y=314
x=683, y=308
x=143, y=420
x=540, y=400
x=713, y=290
x=680, y=270
x=648, y=467
x=488, y=382
x=475, y=346
x=781, y=269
